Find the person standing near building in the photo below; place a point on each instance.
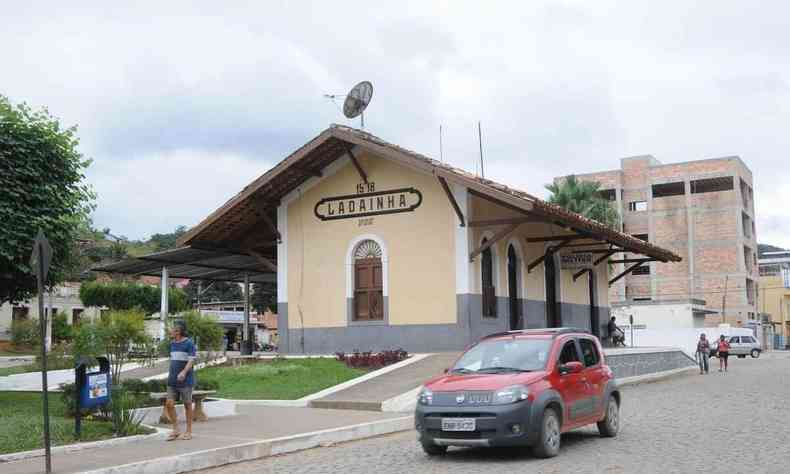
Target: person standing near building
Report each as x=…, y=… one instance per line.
x=724, y=353
x=181, y=379
x=703, y=353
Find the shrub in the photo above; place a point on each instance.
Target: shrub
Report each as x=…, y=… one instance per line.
x=126, y=419
x=205, y=331
x=371, y=360
x=126, y=296
x=25, y=333
x=113, y=337
x=61, y=329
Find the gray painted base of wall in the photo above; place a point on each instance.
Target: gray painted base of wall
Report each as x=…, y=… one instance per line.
x=630, y=365
x=471, y=326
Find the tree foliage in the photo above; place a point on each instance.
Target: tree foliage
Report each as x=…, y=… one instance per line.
x=584, y=197
x=167, y=241
x=204, y=330
x=213, y=291
x=264, y=295
x=112, y=337
x=42, y=186
x=124, y=296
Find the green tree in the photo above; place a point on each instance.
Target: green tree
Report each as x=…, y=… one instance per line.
x=584, y=197
x=112, y=337
x=124, y=295
x=167, y=241
x=61, y=329
x=263, y=296
x=213, y=291
x=204, y=330
x=42, y=186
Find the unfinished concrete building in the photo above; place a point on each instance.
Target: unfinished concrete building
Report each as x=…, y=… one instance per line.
x=703, y=211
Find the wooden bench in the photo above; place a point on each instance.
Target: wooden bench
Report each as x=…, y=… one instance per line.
x=197, y=400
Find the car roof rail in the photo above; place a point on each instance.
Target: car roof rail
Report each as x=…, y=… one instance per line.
x=545, y=331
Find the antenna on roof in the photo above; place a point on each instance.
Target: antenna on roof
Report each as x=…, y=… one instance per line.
x=441, y=152
x=356, y=102
x=480, y=141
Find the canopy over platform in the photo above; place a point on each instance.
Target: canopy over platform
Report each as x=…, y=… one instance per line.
x=198, y=264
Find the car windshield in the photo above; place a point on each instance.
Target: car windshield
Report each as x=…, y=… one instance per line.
x=505, y=355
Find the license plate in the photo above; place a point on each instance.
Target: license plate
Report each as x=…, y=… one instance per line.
x=458, y=424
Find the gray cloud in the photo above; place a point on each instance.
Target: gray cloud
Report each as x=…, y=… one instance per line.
x=182, y=103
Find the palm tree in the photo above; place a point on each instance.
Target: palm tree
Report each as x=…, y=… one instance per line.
x=584, y=197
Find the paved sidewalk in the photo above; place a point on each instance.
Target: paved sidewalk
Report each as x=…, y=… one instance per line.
x=31, y=381
x=252, y=424
x=369, y=395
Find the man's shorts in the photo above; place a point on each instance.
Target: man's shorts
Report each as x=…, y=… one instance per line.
x=184, y=394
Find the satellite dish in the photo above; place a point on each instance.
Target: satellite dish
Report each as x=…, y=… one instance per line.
x=357, y=100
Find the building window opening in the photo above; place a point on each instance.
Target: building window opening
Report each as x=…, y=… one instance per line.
x=637, y=206
x=20, y=313
x=487, y=283
x=513, y=267
x=368, y=282
x=669, y=189
x=643, y=269
x=750, y=291
x=553, y=308
x=712, y=185
x=608, y=194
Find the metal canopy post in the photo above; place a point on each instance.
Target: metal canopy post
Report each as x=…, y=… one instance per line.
x=246, y=343
x=164, y=305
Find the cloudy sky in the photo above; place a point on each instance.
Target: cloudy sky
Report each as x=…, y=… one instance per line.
x=182, y=104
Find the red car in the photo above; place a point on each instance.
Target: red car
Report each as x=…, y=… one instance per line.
x=520, y=388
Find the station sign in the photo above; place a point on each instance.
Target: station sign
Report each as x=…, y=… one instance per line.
x=576, y=261
x=376, y=203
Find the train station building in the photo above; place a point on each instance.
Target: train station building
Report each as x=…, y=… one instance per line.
x=373, y=246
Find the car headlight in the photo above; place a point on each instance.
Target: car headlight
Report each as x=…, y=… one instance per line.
x=508, y=395
x=425, y=397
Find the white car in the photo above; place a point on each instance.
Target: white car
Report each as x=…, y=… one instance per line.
x=740, y=346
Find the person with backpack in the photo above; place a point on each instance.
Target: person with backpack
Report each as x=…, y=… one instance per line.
x=703, y=354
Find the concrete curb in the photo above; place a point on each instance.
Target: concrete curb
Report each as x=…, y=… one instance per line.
x=161, y=433
x=260, y=449
x=364, y=378
x=305, y=401
x=405, y=402
x=655, y=377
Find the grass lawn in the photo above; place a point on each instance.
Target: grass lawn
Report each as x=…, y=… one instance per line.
x=278, y=379
x=22, y=423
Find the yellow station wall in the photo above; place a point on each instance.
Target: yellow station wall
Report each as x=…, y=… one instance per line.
x=419, y=246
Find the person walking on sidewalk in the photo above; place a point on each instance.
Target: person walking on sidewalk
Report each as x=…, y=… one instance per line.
x=181, y=379
x=703, y=353
x=724, y=353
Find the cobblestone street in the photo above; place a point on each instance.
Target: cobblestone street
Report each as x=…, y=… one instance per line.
x=739, y=422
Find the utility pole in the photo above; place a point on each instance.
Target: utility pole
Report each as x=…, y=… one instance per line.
x=724, y=298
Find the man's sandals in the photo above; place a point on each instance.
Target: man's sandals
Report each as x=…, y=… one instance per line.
x=175, y=435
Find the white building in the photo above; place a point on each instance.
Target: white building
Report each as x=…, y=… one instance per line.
x=662, y=314
x=64, y=299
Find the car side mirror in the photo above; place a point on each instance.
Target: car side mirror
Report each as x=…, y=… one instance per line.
x=571, y=368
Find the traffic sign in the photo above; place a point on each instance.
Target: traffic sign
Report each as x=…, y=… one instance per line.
x=42, y=251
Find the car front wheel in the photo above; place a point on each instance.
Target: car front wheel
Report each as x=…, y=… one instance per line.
x=549, y=438
x=610, y=425
x=755, y=353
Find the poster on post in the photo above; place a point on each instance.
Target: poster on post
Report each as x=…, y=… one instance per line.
x=97, y=386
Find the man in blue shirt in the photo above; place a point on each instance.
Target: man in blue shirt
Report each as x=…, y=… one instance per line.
x=181, y=378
